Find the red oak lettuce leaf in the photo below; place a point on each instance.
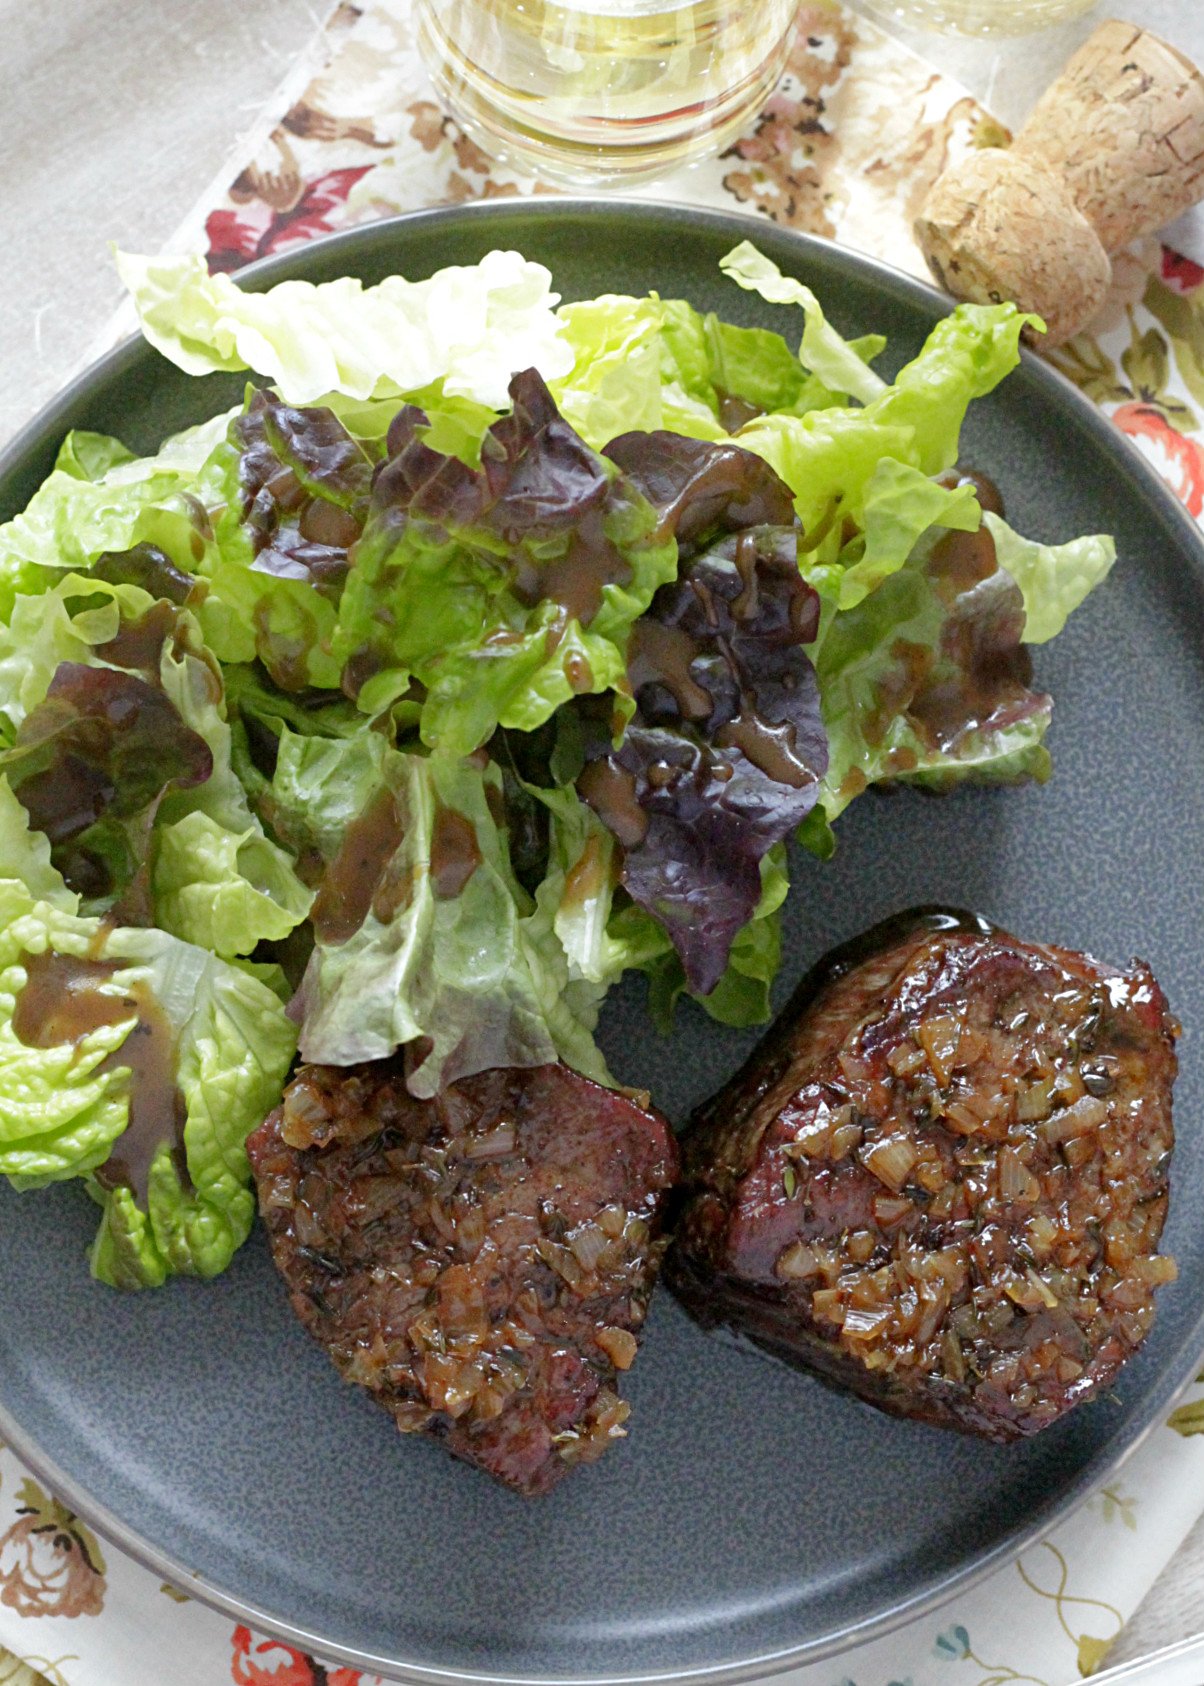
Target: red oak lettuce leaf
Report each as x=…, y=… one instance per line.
x=696, y=486
x=504, y=590
x=304, y=483
x=91, y=763
x=726, y=750
x=149, y=568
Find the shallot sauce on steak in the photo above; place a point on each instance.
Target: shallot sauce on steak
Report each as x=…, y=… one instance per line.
x=481, y=1262
x=941, y=1180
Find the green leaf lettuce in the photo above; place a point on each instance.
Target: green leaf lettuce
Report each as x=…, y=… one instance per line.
x=64, y=1107
x=452, y=950
x=214, y=876
x=471, y=326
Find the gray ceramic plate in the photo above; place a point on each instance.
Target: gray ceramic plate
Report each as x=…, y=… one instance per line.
x=753, y=1519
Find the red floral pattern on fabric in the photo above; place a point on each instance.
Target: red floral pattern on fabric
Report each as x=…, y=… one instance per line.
x=269, y=1662
x=1175, y=457
x=255, y=229
x=1179, y=272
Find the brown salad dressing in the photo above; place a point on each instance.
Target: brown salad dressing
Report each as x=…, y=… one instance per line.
x=989, y=495
x=355, y=874
x=659, y=654
x=578, y=672
x=943, y=710
x=62, y=1002
x=576, y=579
x=896, y=690
x=610, y=791
x=771, y=749
x=745, y=606
x=495, y=801
x=588, y=875
x=455, y=853
x=813, y=537
x=961, y=560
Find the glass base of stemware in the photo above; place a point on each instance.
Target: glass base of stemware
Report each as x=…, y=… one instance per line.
x=598, y=152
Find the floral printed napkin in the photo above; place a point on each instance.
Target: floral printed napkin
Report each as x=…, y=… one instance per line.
x=846, y=147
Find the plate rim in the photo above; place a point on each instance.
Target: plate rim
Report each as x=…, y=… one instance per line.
x=930, y=1595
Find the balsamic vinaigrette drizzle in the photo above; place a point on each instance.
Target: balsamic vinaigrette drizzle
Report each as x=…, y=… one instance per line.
x=455, y=854
x=361, y=880
x=355, y=874
x=610, y=792
x=62, y=1001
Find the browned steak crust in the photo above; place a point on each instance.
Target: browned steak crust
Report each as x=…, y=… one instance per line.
x=942, y=1178
x=481, y=1262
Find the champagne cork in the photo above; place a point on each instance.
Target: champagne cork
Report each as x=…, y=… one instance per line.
x=1113, y=150
x=1124, y=126
x=1002, y=226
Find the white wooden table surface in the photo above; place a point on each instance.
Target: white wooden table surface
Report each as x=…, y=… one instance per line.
x=117, y=115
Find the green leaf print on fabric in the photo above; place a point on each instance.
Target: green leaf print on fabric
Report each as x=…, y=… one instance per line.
x=1088, y=1646
x=1146, y=360
x=953, y=1643
x=953, y=1646
x=15, y=1672
x=1084, y=361
x=1116, y=1506
x=1188, y=1419
x=1182, y=316
x=1092, y=1653
x=1145, y=363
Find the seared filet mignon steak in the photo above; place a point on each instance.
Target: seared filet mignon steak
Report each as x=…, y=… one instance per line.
x=481, y=1262
x=942, y=1178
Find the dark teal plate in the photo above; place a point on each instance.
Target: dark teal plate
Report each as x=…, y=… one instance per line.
x=754, y=1519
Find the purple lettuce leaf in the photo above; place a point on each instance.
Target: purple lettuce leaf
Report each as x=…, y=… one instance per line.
x=726, y=749
x=537, y=475
x=697, y=487
x=148, y=567
x=304, y=484
x=91, y=763
x=506, y=589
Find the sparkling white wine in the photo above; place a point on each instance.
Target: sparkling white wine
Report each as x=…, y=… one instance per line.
x=581, y=89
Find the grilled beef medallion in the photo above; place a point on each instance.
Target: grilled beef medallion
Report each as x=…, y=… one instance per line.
x=942, y=1178
x=481, y=1262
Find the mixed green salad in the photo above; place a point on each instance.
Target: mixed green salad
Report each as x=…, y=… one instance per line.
x=486, y=651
